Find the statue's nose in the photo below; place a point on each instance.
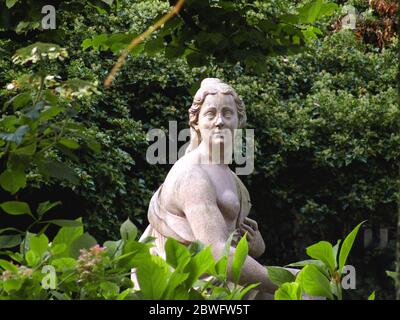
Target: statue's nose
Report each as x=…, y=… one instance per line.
x=219, y=122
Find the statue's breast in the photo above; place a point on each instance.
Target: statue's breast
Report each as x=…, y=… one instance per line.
x=229, y=205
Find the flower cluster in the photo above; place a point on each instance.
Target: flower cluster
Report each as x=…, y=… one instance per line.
x=22, y=272
x=88, y=261
x=13, y=85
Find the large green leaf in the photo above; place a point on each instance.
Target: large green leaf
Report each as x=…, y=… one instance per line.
x=84, y=241
x=64, y=222
x=17, y=136
x=309, y=12
x=46, y=206
x=128, y=230
x=336, y=251
x=239, y=257
x=24, y=246
x=327, y=9
x=314, y=282
x=11, y=285
x=178, y=255
x=239, y=295
x=196, y=247
x=322, y=251
x=113, y=248
x=6, y=265
x=221, y=267
x=57, y=170
x=31, y=258
x=153, y=275
x=314, y=11
x=133, y=254
x=58, y=248
x=49, y=113
x=176, y=279
x=306, y=262
x=289, y=291
x=27, y=150
x=16, y=208
x=109, y=290
x=199, y=264
x=279, y=275
x=10, y=3
x=64, y=264
x=39, y=245
x=13, y=180
x=347, y=245
x=67, y=235
x=69, y=143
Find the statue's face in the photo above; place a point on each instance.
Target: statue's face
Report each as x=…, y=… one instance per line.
x=218, y=118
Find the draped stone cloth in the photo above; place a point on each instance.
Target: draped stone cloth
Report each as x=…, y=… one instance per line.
x=164, y=224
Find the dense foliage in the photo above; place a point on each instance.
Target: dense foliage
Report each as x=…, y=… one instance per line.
x=326, y=123
x=74, y=266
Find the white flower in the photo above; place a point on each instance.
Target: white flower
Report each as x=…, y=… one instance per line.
x=10, y=86
x=34, y=50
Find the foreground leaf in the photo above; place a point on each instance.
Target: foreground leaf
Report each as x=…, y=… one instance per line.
x=241, y=252
x=289, y=291
x=128, y=230
x=178, y=255
x=279, y=275
x=347, y=245
x=153, y=276
x=10, y=241
x=323, y=251
x=84, y=241
x=16, y=208
x=314, y=282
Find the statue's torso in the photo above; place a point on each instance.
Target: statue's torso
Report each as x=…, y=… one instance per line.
x=222, y=180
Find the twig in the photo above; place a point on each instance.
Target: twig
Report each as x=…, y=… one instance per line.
x=160, y=23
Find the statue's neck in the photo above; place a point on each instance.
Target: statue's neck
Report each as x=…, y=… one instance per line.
x=214, y=154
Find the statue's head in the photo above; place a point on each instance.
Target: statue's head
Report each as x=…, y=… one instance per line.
x=215, y=106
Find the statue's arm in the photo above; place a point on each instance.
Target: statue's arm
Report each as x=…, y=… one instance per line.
x=259, y=246
x=197, y=198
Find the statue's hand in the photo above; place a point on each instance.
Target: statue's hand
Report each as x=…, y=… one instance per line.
x=251, y=227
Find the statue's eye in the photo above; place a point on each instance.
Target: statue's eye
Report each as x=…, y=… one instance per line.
x=210, y=114
x=228, y=113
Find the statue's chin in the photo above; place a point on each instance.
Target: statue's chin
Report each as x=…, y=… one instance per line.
x=218, y=141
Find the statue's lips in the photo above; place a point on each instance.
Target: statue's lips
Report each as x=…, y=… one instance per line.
x=220, y=133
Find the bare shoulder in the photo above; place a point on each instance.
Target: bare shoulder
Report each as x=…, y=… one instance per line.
x=187, y=183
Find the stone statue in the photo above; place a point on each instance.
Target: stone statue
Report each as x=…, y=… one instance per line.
x=201, y=198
